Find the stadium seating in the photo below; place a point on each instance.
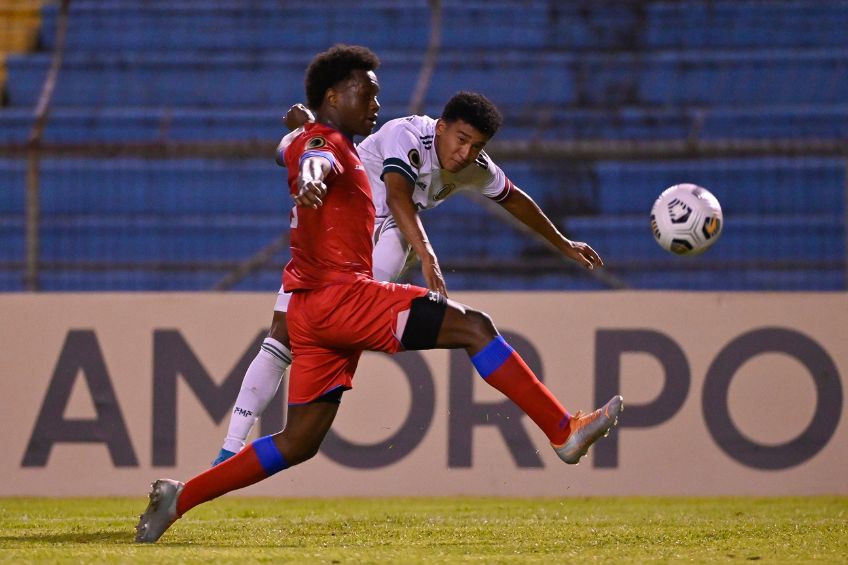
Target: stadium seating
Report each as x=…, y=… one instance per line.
x=501, y=24
x=153, y=124
x=225, y=70
x=547, y=79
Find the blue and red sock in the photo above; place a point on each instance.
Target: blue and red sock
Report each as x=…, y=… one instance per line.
x=504, y=369
x=257, y=461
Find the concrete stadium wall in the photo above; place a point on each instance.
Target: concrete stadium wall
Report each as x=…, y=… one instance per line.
x=725, y=394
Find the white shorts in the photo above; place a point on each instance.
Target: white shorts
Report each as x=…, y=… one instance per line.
x=391, y=257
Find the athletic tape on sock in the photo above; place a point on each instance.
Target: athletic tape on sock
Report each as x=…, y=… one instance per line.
x=488, y=359
x=269, y=456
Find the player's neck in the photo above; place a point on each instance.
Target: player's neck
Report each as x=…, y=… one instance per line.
x=330, y=120
x=436, y=148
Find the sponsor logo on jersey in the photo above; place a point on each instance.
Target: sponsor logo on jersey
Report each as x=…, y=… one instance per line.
x=414, y=158
x=316, y=142
x=426, y=141
x=444, y=191
x=482, y=161
x=421, y=185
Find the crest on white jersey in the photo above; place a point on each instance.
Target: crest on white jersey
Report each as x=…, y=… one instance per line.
x=414, y=158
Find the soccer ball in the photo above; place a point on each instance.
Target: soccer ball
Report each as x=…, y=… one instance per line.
x=686, y=219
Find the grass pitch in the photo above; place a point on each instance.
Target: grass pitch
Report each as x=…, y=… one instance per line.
x=434, y=530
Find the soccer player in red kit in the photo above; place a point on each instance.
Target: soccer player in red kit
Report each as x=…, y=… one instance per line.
x=337, y=309
x=341, y=310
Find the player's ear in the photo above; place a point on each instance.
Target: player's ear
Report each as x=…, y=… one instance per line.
x=331, y=97
x=440, y=126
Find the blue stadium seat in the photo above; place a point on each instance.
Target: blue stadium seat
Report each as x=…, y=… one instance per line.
x=652, y=79
x=566, y=280
x=744, y=238
x=548, y=78
x=127, y=280
x=225, y=70
x=12, y=235
x=169, y=80
x=154, y=124
x=555, y=123
x=807, y=279
x=216, y=26
x=157, y=238
x=688, y=24
x=163, y=187
x=149, y=124
x=743, y=186
x=11, y=281
x=13, y=187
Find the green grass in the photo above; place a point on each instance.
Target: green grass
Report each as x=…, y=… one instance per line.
x=434, y=530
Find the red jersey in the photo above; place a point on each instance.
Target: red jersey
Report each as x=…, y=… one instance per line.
x=333, y=243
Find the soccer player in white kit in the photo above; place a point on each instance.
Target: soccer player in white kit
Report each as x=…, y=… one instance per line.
x=413, y=163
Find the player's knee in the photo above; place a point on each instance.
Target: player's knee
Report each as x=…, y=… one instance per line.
x=279, y=331
x=284, y=340
x=310, y=451
x=480, y=325
x=296, y=450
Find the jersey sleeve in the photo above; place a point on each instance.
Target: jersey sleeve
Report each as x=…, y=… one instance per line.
x=497, y=185
x=280, y=156
x=313, y=145
x=401, y=150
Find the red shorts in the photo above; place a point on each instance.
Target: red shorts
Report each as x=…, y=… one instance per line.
x=330, y=327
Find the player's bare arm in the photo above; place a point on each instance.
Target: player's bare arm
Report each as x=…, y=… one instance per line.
x=399, y=199
x=525, y=209
x=313, y=171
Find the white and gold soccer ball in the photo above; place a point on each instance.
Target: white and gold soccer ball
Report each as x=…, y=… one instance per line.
x=686, y=219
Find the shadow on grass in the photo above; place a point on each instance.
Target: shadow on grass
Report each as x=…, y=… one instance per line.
x=121, y=537
x=116, y=537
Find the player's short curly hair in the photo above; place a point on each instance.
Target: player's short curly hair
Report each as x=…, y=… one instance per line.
x=474, y=109
x=333, y=66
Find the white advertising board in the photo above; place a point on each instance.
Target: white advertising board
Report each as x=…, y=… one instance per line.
x=725, y=394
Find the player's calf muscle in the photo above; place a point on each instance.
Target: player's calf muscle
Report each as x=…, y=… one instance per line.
x=304, y=431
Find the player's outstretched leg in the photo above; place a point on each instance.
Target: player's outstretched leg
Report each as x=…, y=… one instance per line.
x=503, y=369
x=586, y=429
x=307, y=426
x=260, y=384
x=161, y=511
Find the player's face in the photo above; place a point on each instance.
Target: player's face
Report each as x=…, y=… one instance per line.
x=357, y=103
x=458, y=144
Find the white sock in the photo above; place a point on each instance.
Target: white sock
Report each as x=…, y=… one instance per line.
x=259, y=386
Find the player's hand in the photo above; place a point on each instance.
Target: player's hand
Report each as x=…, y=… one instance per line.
x=433, y=274
x=311, y=194
x=583, y=254
x=296, y=116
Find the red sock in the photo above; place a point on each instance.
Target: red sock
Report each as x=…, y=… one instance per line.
x=242, y=469
x=501, y=367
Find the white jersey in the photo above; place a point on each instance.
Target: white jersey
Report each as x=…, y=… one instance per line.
x=405, y=146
